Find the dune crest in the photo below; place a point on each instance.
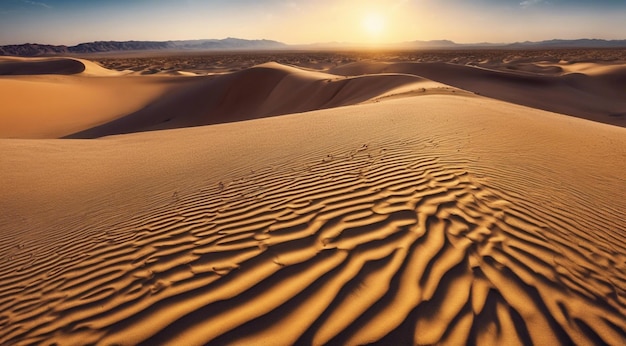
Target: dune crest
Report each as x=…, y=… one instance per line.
x=434, y=219
x=12, y=66
x=589, y=91
x=53, y=97
x=265, y=90
x=40, y=66
x=53, y=105
x=94, y=70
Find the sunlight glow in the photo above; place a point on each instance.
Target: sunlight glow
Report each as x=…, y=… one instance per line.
x=374, y=24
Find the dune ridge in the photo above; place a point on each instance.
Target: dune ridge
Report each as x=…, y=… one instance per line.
x=98, y=102
x=594, y=92
x=53, y=97
x=116, y=102
x=433, y=219
x=265, y=90
x=16, y=67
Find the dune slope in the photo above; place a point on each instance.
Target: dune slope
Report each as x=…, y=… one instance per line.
x=51, y=98
x=419, y=220
x=595, y=92
x=42, y=102
x=20, y=66
x=265, y=90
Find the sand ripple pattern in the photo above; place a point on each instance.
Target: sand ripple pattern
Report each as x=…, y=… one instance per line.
x=381, y=244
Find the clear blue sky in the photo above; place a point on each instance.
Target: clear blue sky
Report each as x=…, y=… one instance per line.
x=298, y=21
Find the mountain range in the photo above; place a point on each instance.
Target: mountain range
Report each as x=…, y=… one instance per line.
x=34, y=49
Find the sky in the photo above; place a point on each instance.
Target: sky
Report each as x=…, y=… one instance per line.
x=71, y=22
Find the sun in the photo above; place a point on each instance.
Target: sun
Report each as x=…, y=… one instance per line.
x=374, y=24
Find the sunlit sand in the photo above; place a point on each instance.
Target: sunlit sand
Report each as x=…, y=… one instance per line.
x=351, y=200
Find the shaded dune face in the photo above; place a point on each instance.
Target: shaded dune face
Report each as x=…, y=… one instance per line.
x=393, y=241
x=266, y=90
x=51, y=66
x=596, y=97
x=88, y=106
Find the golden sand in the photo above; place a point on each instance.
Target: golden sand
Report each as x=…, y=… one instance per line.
x=377, y=208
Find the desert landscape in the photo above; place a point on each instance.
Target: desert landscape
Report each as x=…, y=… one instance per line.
x=345, y=172
x=314, y=198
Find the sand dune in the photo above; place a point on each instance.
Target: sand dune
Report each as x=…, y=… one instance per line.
x=21, y=66
x=53, y=104
x=82, y=106
x=434, y=219
x=381, y=207
x=13, y=66
x=595, y=92
x=261, y=91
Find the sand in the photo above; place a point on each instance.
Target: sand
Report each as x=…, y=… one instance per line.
x=595, y=93
x=64, y=100
x=400, y=210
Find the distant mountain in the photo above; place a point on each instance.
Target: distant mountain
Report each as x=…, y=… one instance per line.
x=30, y=49
x=228, y=43
x=434, y=44
x=113, y=46
x=582, y=43
x=431, y=44
x=549, y=44
x=333, y=46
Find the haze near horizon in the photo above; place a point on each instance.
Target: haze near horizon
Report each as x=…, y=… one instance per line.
x=302, y=22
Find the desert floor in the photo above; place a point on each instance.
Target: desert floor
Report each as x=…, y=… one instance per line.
x=314, y=198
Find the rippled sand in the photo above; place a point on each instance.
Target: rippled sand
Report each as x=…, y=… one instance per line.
x=400, y=210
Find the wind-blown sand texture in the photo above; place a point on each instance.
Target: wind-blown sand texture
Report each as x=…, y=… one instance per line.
x=406, y=212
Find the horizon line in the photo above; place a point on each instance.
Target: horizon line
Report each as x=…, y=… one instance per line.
x=354, y=43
